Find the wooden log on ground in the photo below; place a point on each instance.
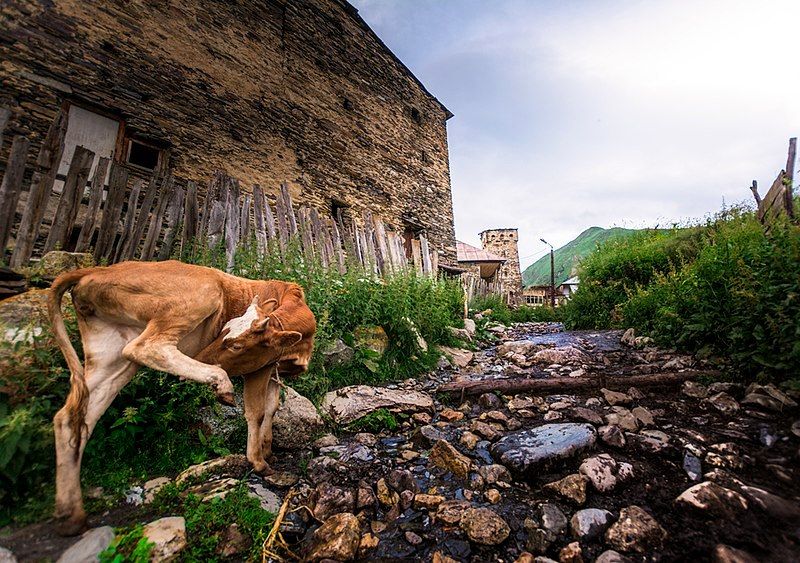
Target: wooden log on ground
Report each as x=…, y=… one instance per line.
x=95, y=200
x=41, y=185
x=70, y=200
x=12, y=185
x=560, y=384
x=117, y=187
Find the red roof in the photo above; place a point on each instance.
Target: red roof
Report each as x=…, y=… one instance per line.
x=468, y=253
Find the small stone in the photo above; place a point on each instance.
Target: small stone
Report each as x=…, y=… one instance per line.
x=338, y=539
x=377, y=526
x=365, y=496
x=615, y=398
x=451, y=511
x=623, y=418
x=446, y=457
x=572, y=487
x=168, y=536
x=587, y=415
x=635, y=394
x=91, y=544
x=326, y=441
x=484, y=526
x=724, y=403
x=580, y=372
x=612, y=435
x=727, y=554
x=451, y=415
x=692, y=466
x=611, y=556
x=439, y=557
x=775, y=506
x=636, y=530
x=367, y=439
x=386, y=496
x=553, y=416
x=589, y=523
x=593, y=402
x=490, y=401
x=413, y=538
x=421, y=418
x=485, y=430
x=7, y=556
x=713, y=499
x=553, y=520
x=529, y=450
x=694, y=390
x=368, y=542
x=650, y=440
x=604, y=472
x=269, y=500
x=469, y=440
x=495, y=474
x=408, y=455
x=233, y=542
x=644, y=416
x=152, y=487
x=493, y=496
x=427, y=502
x=571, y=553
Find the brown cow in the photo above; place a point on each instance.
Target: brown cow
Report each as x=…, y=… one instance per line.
x=162, y=315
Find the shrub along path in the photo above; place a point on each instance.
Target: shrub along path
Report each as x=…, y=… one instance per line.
x=703, y=472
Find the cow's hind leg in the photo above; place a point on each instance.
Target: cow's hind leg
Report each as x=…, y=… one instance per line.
x=157, y=348
x=255, y=395
x=107, y=372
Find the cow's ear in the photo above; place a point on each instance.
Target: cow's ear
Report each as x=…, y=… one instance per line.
x=268, y=306
x=260, y=325
x=285, y=339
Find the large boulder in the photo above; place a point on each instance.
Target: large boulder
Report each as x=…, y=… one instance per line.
x=337, y=353
x=372, y=338
x=168, y=536
x=564, y=355
x=458, y=357
x=351, y=403
x=530, y=450
x=56, y=262
x=337, y=539
x=296, y=422
x=23, y=318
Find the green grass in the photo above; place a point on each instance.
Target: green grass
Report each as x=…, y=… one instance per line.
x=726, y=289
x=567, y=258
x=506, y=315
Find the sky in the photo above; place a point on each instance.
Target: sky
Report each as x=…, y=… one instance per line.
x=624, y=113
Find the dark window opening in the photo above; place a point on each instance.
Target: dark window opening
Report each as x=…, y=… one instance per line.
x=143, y=155
x=410, y=234
x=338, y=207
x=416, y=116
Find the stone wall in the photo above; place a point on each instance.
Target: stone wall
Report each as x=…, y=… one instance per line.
x=270, y=91
x=504, y=242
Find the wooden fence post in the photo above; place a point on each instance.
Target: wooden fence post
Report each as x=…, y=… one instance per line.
x=70, y=200
x=173, y=223
x=95, y=200
x=112, y=210
x=129, y=222
x=143, y=217
x=790, y=164
x=41, y=185
x=12, y=184
x=5, y=116
x=259, y=202
x=157, y=220
x=190, y=220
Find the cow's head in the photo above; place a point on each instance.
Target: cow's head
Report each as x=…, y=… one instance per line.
x=256, y=339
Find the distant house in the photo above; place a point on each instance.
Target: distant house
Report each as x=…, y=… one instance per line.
x=569, y=287
x=481, y=263
x=536, y=295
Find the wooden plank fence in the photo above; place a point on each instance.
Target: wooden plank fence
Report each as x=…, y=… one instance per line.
x=779, y=199
x=161, y=216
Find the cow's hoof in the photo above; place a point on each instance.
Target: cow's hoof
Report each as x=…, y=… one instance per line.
x=227, y=399
x=263, y=468
x=71, y=526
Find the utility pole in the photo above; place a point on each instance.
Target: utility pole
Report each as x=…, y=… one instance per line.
x=552, y=275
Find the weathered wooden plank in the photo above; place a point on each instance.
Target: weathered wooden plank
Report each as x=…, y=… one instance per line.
x=117, y=187
x=95, y=200
x=305, y=230
x=41, y=186
x=434, y=263
x=174, y=211
x=143, y=216
x=157, y=220
x=774, y=195
x=244, y=220
x=232, y=228
x=369, y=231
x=269, y=220
x=70, y=199
x=190, y=220
x=289, y=206
x=129, y=221
x=337, y=245
x=416, y=253
x=790, y=164
x=426, y=254
x=216, y=224
x=5, y=117
x=283, y=225
x=211, y=194
x=12, y=184
x=259, y=203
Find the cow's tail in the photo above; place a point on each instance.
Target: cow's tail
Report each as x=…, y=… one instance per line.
x=78, y=391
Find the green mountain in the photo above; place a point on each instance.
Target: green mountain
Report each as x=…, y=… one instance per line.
x=567, y=257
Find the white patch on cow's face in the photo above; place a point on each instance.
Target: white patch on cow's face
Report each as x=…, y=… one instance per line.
x=240, y=325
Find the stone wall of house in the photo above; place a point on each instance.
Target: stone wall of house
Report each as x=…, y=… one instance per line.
x=504, y=242
x=270, y=91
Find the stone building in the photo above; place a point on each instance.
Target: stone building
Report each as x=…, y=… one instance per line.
x=270, y=91
x=503, y=242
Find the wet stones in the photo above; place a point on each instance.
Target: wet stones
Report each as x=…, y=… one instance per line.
x=589, y=523
x=329, y=500
x=427, y=502
x=446, y=457
x=622, y=417
x=604, y=472
x=451, y=511
x=351, y=403
x=713, y=500
x=450, y=415
x=528, y=450
x=724, y=403
x=565, y=355
x=615, y=398
x=727, y=554
x=484, y=526
x=692, y=466
x=338, y=539
x=612, y=435
x=694, y=390
x=495, y=474
x=636, y=530
x=586, y=415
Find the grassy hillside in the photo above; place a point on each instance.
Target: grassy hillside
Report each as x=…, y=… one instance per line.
x=567, y=257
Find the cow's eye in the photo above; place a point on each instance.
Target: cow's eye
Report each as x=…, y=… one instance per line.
x=236, y=346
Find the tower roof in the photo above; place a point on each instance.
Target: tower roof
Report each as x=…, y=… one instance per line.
x=468, y=253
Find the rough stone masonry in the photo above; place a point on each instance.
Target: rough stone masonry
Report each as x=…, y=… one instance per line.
x=267, y=90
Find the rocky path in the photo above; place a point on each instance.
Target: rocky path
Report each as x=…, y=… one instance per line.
x=699, y=473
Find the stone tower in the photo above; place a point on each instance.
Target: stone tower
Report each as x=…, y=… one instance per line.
x=504, y=242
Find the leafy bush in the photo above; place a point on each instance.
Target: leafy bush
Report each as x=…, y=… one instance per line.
x=130, y=547
x=374, y=422
x=728, y=288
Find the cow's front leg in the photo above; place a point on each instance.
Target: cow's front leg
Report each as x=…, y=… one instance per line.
x=255, y=395
x=273, y=402
x=157, y=348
